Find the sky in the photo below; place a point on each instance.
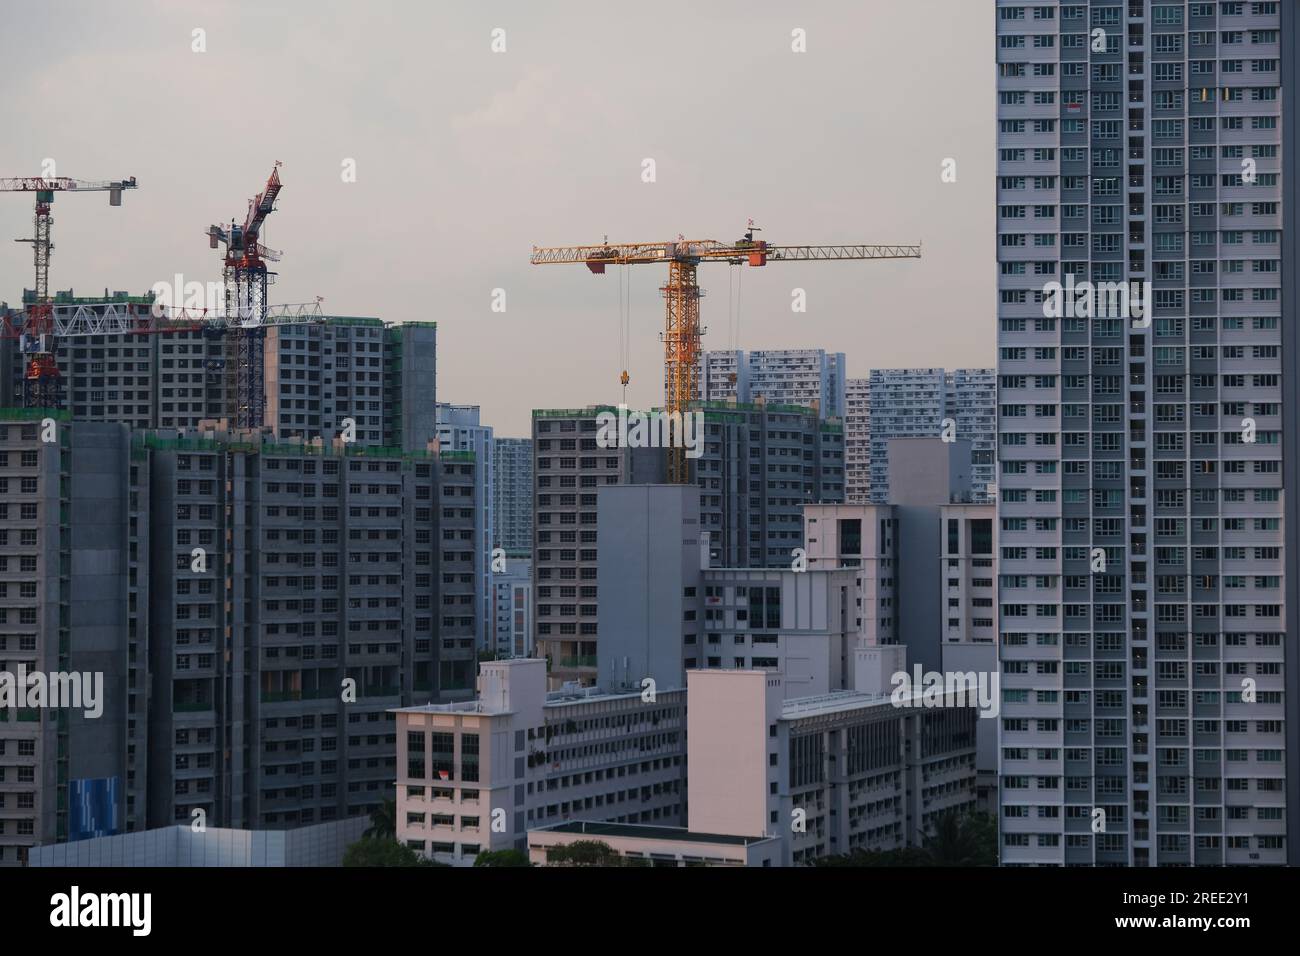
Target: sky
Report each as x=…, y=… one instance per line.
x=466, y=158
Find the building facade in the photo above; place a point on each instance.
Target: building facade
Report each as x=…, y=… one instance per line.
x=513, y=602
x=459, y=430
x=1141, y=581
x=812, y=378
x=971, y=399
x=317, y=376
x=857, y=441
x=73, y=560
x=760, y=465
x=512, y=495
x=474, y=777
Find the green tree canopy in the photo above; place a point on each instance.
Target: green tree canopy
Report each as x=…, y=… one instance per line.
x=502, y=858
x=372, y=851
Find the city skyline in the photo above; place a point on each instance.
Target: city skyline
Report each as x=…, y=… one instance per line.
x=444, y=212
x=972, y=553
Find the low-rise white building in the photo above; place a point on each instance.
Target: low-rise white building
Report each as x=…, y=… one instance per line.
x=774, y=781
x=476, y=776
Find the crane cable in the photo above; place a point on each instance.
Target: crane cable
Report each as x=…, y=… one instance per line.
x=624, y=325
x=619, y=358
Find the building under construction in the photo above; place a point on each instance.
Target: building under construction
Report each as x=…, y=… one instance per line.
x=315, y=375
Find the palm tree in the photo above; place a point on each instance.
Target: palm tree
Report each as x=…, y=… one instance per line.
x=383, y=821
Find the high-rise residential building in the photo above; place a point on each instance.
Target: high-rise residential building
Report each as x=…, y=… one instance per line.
x=904, y=403
x=857, y=441
x=143, y=381
x=724, y=376
x=377, y=379
x=1141, y=577
x=297, y=593
x=318, y=377
x=512, y=495
x=924, y=403
x=760, y=465
x=251, y=606
x=971, y=402
x=459, y=430
x=74, y=549
x=808, y=377
x=1290, y=146
x=568, y=468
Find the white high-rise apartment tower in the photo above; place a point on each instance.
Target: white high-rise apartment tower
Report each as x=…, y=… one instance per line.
x=1141, y=575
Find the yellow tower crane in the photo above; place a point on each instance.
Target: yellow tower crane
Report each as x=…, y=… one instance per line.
x=682, y=331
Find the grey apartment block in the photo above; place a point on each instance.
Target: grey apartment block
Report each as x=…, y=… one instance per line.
x=322, y=377
x=315, y=375
x=971, y=400
x=760, y=465
x=1291, y=399
x=512, y=495
x=459, y=430
x=72, y=587
x=1125, y=683
x=144, y=381
x=904, y=403
x=568, y=468
x=809, y=377
x=857, y=441
x=410, y=385
x=924, y=403
x=296, y=595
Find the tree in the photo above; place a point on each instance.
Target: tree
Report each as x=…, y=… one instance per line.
x=383, y=821
x=955, y=839
x=502, y=858
x=583, y=853
x=372, y=851
x=902, y=856
x=958, y=839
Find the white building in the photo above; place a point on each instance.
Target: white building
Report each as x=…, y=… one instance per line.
x=857, y=441
x=790, y=780
x=800, y=625
x=476, y=776
x=812, y=378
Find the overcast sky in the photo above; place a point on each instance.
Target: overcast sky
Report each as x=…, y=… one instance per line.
x=467, y=158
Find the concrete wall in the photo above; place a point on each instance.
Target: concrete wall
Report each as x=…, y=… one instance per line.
x=321, y=845
x=650, y=555
x=727, y=760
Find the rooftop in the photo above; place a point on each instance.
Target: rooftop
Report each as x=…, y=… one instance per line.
x=648, y=832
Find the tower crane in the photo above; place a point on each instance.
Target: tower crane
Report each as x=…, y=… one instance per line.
x=41, y=383
x=246, y=277
x=682, y=330
x=241, y=322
